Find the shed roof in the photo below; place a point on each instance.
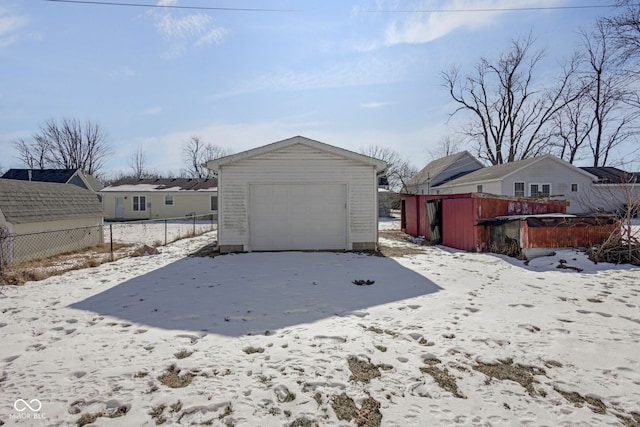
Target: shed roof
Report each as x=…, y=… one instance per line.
x=162, y=185
x=361, y=158
x=499, y=172
x=438, y=166
x=30, y=201
x=61, y=176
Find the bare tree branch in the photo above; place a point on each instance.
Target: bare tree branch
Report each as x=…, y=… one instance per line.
x=510, y=119
x=66, y=144
x=196, y=153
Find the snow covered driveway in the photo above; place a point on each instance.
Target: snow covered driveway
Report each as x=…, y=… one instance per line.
x=270, y=339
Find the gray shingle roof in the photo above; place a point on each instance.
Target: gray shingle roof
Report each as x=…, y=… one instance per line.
x=164, y=183
x=28, y=201
x=438, y=166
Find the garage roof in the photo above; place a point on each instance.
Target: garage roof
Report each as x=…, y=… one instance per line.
x=378, y=164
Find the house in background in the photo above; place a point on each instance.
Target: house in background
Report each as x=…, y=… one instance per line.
x=158, y=198
x=297, y=194
x=60, y=176
x=442, y=170
x=544, y=176
x=614, y=191
x=42, y=219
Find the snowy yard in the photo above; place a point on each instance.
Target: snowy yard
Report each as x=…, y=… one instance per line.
x=152, y=232
x=440, y=337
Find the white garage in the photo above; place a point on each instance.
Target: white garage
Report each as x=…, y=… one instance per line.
x=297, y=194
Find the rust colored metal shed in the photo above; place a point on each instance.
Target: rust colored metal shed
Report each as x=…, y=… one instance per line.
x=455, y=220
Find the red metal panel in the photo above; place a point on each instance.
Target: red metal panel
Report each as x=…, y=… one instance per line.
x=572, y=235
x=458, y=223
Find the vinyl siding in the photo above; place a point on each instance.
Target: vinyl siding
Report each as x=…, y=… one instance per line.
x=297, y=164
x=184, y=203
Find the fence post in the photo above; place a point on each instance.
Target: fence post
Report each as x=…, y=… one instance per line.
x=194, y=224
x=111, y=240
x=165, y=232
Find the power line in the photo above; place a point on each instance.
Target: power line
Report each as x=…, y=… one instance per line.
x=168, y=6
x=497, y=9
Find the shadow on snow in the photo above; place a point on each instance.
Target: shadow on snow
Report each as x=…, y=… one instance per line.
x=238, y=294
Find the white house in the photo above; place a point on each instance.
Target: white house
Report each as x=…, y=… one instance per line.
x=297, y=194
x=543, y=176
x=158, y=198
x=442, y=170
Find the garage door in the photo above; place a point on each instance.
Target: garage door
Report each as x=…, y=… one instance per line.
x=297, y=216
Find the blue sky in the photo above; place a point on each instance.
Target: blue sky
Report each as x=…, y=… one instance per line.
x=330, y=70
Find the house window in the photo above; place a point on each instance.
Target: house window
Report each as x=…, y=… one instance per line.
x=139, y=203
x=479, y=188
x=214, y=203
x=168, y=199
x=574, y=188
x=518, y=189
x=540, y=190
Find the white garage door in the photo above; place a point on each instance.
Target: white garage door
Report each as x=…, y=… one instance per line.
x=298, y=217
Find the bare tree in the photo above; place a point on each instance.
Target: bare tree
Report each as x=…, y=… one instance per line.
x=510, y=116
x=447, y=146
x=196, y=153
x=625, y=32
x=573, y=125
x=607, y=92
x=67, y=144
x=398, y=171
x=623, y=244
x=138, y=163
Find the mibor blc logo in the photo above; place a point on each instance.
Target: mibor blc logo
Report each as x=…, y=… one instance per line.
x=28, y=409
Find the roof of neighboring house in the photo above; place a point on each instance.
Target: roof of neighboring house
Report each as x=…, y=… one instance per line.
x=380, y=165
x=162, y=184
x=31, y=201
x=611, y=175
x=62, y=176
x=438, y=166
x=498, y=172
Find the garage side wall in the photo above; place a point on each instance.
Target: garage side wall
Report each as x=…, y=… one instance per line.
x=296, y=164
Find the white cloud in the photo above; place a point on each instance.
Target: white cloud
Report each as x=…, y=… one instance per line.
x=423, y=27
x=375, y=104
x=184, y=30
x=10, y=26
x=152, y=111
x=367, y=70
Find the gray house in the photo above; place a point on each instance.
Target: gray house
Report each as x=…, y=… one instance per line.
x=442, y=170
x=41, y=219
x=543, y=176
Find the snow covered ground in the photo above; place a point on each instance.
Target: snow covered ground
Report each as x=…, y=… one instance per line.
x=440, y=337
x=150, y=232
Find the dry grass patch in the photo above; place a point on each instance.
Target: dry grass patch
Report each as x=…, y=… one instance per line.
x=172, y=378
x=346, y=410
x=442, y=377
x=39, y=269
x=595, y=404
x=398, y=251
x=507, y=370
x=362, y=371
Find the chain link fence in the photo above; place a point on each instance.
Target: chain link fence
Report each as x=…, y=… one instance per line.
x=17, y=248
x=63, y=248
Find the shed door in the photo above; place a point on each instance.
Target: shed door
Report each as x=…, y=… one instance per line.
x=298, y=217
